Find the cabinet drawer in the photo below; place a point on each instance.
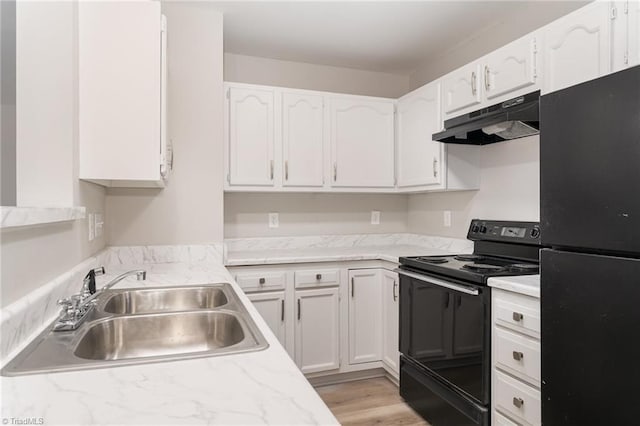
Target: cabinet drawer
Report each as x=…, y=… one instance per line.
x=517, y=399
x=517, y=312
x=261, y=281
x=518, y=355
x=317, y=278
x=500, y=420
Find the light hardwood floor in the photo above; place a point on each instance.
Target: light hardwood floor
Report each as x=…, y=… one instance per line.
x=368, y=402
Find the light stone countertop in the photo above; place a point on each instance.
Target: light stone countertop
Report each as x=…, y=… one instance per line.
x=389, y=253
x=528, y=285
x=262, y=387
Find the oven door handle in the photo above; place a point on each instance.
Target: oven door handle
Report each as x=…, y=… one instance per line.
x=457, y=287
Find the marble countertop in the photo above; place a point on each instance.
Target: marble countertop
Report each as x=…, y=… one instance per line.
x=528, y=285
x=262, y=387
x=389, y=253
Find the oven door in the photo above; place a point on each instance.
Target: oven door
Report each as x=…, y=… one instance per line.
x=445, y=329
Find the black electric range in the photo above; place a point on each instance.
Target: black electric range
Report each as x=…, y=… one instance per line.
x=445, y=320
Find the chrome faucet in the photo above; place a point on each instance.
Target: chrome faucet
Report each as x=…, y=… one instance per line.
x=77, y=307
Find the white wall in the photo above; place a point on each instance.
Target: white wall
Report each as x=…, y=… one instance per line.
x=246, y=215
x=189, y=209
x=510, y=190
x=273, y=72
x=46, y=52
x=32, y=256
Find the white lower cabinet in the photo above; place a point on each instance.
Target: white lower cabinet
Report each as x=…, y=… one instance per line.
x=365, y=321
x=515, y=354
x=317, y=328
x=332, y=318
x=271, y=306
x=390, y=321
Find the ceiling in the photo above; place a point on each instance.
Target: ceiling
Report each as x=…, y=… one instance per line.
x=385, y=36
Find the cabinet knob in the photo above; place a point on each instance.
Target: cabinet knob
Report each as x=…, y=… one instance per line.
x=262, y=281
x=518, y=355
x=518, y=402
x=517, y=316
x=318, y=277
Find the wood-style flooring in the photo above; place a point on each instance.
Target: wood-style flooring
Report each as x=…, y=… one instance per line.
x=368, y=402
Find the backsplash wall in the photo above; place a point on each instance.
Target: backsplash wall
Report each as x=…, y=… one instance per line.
x=510, y=190
x=246, y=214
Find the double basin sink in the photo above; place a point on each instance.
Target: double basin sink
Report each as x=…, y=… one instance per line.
x=135, y=326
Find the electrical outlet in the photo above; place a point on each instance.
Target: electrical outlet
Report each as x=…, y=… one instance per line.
x=274, y=220
x=92, y=226
x=375, y=217
x=447, y=218
x=99, y=225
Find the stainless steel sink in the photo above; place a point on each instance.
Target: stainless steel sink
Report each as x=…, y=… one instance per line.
x=138, y=326
x=159, y=335
x=163, y=300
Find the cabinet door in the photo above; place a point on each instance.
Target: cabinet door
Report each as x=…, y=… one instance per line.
x=271, y=308
x=302, y=140
x=119, y=90
x=362, y=142
x=578, y=47
x=365, y=306
x=509, y=70
x=251, y=136
x=634, y=32
x=390, y=319
x=317, y=330
x=419, y=156
x=461, y=89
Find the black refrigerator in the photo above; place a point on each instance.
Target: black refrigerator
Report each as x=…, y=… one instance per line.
x=590, y=275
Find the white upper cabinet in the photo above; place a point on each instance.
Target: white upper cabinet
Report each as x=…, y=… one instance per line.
x=461, y=89
x=302, y=140
x=251, y=136
x=419, y=156
x=511, y=69
x=362, y=142
x=577, y=47
x=121, y=93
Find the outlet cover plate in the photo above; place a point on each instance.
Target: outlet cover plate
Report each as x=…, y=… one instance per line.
x=274, y=220
x=375, y=217
x=447, y=218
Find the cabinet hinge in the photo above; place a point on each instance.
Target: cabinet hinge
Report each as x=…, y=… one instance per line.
x=613, y=13
x=228, y=93
x=228, y=178
x=626, y=58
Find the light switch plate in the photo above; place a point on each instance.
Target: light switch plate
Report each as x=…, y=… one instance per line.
x=274, y=220
x=99, y=225
x=92, y=226
x=447, y=218
x=375, y=217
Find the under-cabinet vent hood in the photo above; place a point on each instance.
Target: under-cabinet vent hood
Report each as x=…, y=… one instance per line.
x=512, y=119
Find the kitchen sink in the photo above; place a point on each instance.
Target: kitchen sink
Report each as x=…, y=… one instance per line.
x=159, y=335
x=139, y=326
x=162, y=300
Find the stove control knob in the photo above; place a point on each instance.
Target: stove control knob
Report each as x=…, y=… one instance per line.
x=535, y=233
x=475, y=228
x=483, y=229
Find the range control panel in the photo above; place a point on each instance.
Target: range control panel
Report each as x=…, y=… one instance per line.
x=504, y=231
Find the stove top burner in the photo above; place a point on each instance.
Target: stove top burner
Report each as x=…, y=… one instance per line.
x=481, y=267
x=432, y=259
x=525, y=267
x=468, y=257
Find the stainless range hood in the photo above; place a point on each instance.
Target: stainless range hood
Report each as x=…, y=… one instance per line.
x=512, y=119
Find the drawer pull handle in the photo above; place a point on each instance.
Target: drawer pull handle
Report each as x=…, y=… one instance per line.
x=318, y=277
x=517, y=316
x=518, y=355
x=518, y=402
x=262, y=281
